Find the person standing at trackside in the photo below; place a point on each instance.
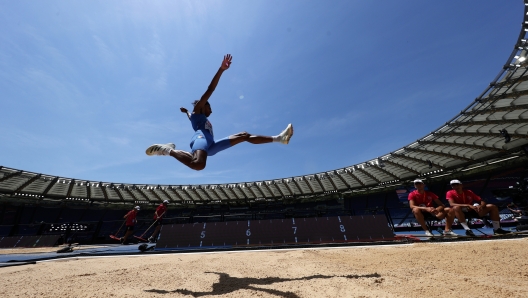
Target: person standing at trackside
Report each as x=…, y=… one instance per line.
x=158, y=217
x=464, y=203
x=130, y=223
x=422, y=201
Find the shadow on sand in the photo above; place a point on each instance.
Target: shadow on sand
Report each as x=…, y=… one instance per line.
x=227, y=284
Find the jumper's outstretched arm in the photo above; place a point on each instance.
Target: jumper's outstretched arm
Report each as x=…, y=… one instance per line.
x=205, y=97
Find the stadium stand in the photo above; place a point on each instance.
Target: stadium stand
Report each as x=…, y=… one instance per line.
x=47, y=214
x=95, y=223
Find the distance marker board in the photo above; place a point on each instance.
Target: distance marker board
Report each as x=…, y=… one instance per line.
x=275, y=232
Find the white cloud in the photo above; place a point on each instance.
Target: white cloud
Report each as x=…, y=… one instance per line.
x=104, y=50
x=154, y=53
x=119, y=141
x=14, y=137
x=58, y=93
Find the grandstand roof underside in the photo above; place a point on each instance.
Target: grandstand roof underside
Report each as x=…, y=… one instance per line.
x=469, y=140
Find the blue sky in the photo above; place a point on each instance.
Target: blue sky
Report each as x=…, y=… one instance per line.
x=87, y=86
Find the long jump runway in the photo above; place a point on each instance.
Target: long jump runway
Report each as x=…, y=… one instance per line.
x=22, y=256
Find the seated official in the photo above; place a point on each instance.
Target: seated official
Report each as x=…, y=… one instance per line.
x=466, y=203
x=423, y=202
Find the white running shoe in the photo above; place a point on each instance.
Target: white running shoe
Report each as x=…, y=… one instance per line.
x=450, y=233
x=428, y=233
x=286, y=134
x=160, y=149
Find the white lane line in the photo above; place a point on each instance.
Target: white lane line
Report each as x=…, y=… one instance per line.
x=223, y=252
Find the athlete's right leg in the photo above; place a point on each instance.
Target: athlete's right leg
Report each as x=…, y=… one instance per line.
x=195, y=161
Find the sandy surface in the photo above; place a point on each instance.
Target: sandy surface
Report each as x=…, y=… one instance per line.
x=497, y=268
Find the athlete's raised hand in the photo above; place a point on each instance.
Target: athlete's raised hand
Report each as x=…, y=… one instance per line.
x=227, y=62
x=184, y=110
x=205, y=97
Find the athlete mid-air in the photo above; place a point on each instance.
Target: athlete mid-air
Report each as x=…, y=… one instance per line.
x=202, y=142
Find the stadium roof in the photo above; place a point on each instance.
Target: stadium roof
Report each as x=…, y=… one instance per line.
x=493, y=128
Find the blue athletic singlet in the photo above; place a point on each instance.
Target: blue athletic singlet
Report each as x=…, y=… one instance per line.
x=203, y=138
x=200, y=122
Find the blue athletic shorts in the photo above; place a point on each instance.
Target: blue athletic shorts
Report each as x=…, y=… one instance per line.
x=200, y=142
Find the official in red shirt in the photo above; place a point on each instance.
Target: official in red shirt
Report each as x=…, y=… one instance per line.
x=464, y=202
x=130, y=223
x=422, y=201
x=158, y=217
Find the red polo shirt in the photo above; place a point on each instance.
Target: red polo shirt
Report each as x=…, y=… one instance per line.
x=426, y=198
x=131, y=217
x=160, y=211
x=467, y=197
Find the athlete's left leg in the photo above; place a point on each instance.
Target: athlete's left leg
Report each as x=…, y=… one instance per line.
x=232, y=140
x=283, y=137
x=238, y=138
x=247, y=137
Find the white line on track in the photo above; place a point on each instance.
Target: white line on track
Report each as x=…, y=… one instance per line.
x=223, y=252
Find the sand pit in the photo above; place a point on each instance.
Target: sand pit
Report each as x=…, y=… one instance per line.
x=497, y=268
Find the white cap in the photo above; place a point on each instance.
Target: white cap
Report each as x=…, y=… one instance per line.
x=137, y=208
x=455, y=182
x=417, y=181
x=166, y=202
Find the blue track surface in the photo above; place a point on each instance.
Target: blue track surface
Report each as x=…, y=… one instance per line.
x=111, y=249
